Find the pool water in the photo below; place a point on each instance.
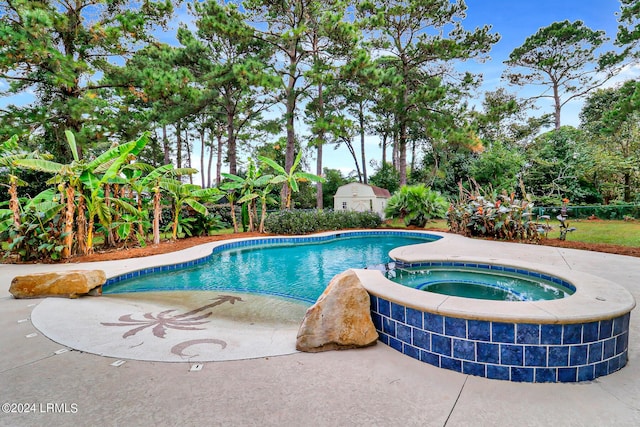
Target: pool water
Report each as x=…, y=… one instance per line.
x=296, y=270
x=479, y=283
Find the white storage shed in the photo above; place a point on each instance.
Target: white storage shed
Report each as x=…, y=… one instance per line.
x=361, y=197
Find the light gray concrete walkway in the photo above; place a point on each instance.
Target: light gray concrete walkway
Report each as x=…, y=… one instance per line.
x=373, y=386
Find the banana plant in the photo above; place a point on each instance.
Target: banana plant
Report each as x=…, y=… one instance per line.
x=187, y=194
x=141, y=183
x=103, y=169
x=9, y=153
x=248, y=187
x=292, y=177
x=67, y=178
x=36, y=236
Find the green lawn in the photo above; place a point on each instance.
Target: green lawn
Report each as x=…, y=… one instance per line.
x=625, y=233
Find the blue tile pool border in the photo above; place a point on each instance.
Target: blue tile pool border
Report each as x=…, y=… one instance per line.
x=520, y=352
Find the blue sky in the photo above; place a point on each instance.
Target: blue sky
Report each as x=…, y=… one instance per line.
x=515, y=20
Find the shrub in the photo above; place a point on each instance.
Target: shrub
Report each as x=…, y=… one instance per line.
x=311, y=221
x=416, y=205
x=489, y=215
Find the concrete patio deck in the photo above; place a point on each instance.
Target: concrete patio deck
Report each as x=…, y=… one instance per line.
x=372, y=386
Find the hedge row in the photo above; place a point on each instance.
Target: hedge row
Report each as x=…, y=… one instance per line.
x=311, y=221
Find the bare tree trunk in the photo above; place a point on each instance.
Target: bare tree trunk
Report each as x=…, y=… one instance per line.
x=290, y=99
x=384, y=148
x=157, y=211
x=231, y=140
x=165, y=145
x=219, y=161
x=362, y=151
x=558, y=106
x=178, y=145
x=187, y=145
x=355, y=157
x=202, y=150
x=210, y=162
x=319, y=145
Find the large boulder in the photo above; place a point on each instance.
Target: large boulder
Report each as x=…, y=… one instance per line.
x=70, y=284
x=340, y=319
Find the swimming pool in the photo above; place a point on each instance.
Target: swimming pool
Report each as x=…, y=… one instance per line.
x=297, y=268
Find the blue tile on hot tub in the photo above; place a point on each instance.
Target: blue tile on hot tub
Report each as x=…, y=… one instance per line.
x=397, y=312
x=567, y=375
x=395, y=344
x=618, y=325
x=572, y=334
x=479, y=330
x=578, y=355
x=546, y=375
x=384, y=307
x=441, y=345
x=621, y=342
x=373, y=301
x=414, y=317
x=602, y=368
x=511, y=355
x=377, y=321
x=590, y=332
x=606, y=329
x=503, y=332
x=389, y=326
x=528, y=333
x=477, y=369
x=614, y=364
x=550, y=334
x=488, y=352
x=455, y=327
x=522, y=374
x=535, y=355
x=422, y=339
x=586, y=373
x=403, y=332
x=463, y=349
x=430, y=358
x=609, y=348
x=411, y=351
x=558, y=355
x=595, y=352
x=496, y=372
x=452, y=364
x=434, y=323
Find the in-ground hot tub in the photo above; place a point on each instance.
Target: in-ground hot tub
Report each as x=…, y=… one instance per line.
x=577, y=338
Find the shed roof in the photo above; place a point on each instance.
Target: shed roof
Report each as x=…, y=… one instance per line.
x=377, y=191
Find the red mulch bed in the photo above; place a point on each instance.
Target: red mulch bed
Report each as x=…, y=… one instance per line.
x=171, y=246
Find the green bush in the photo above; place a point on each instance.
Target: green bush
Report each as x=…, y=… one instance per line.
x=311, y=221
x=489, y=215
x=416, y=205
